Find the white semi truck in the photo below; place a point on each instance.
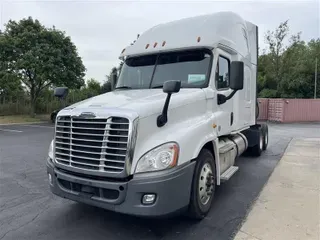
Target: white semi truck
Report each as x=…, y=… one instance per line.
x=183, y=110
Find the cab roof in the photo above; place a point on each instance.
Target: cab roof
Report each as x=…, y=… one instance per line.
x=226, y=29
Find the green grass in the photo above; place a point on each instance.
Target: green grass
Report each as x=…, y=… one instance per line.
x=23, y=119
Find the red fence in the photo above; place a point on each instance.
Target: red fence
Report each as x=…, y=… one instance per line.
x=289, y=110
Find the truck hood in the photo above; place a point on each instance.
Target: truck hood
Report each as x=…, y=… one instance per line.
x=145, y=102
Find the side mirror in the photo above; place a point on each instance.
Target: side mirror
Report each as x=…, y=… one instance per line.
x=172, y=86
x=236, y=81
x=236, y=75
x=61, y=92
x=169, y=87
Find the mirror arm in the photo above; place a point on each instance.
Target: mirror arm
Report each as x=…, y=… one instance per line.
x=163, y=117
x=231, y=95
x=222, y=98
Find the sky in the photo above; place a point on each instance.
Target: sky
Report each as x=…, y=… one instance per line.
x=101, y=29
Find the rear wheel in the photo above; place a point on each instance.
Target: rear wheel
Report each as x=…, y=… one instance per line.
x=203, y=185
x=265, y=133
x=256, y=150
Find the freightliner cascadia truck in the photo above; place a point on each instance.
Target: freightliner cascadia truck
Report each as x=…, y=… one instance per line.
x=184, y=108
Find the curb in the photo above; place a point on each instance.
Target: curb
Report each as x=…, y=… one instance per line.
x=238, y=230
x=249, y=229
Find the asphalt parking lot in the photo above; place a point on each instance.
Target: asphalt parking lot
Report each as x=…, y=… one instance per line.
x=28, y=210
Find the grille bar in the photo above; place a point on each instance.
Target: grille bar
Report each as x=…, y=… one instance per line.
x=108, y=123
x=96, y=129
x=87, y=152
x=89, y=140
x=106, y=141
x=89, y=134
x=81, y=145
x=92, y=144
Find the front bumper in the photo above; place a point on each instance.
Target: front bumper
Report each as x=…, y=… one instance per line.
x=172, y=189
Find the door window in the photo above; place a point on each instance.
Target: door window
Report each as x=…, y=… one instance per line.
x=222, y=73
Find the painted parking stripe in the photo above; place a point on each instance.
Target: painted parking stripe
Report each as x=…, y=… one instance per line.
x=10, y=130
x=36, y=126
x=20, y=123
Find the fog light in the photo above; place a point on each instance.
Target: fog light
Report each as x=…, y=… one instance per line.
x=148, y=199
x=50, y=179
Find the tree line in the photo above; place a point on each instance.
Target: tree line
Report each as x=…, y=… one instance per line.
x=288, y=70
x=34, y=59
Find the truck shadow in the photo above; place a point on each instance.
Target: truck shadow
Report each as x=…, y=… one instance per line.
x=231, y=204
x=131, y=227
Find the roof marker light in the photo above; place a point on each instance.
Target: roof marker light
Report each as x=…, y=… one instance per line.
x=155, y=44
x=123, y=50
x=147, y=45
x=164, y=43
x=199, y=38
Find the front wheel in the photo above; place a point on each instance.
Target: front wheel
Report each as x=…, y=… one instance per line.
x=53, y=117
x=203, y=185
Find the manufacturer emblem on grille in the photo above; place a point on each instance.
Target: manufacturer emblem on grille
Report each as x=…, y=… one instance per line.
x=87, y=115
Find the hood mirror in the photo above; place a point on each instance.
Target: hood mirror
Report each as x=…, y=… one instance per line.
x=61, y=92
x=172, y=86
x=169, y=87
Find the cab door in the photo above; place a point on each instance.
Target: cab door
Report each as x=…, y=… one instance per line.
x=224, y=113
x=247, y=102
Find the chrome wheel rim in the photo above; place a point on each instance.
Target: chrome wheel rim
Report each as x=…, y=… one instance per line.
x=261, y=142
x=205, y=184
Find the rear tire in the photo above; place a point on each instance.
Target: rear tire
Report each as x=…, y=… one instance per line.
x=265, y=133
x=203, y=185
x=258, y=148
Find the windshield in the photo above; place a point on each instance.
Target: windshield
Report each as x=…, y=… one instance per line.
x=151, y=71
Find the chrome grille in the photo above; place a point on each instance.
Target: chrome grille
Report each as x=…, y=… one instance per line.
x=92, y=144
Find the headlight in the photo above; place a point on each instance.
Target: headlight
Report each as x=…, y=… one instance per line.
x=50, y=152
x=162, y=157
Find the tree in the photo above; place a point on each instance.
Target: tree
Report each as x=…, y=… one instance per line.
x=287, y=70
x=93, y=87
x=40, y=57
x=10, y=86
x=275, y=40
x=106, y=87
x=270, y=69
x=108, y=84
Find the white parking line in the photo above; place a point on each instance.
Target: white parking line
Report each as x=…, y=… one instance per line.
x=10, y=130
x=9, y=124
x=36, y=126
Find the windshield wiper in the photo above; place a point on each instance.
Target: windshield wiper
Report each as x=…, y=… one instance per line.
x=123, y=87
x=159, y=86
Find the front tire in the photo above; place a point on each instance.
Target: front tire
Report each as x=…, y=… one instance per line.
x=53, y=119
x=203, y=185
